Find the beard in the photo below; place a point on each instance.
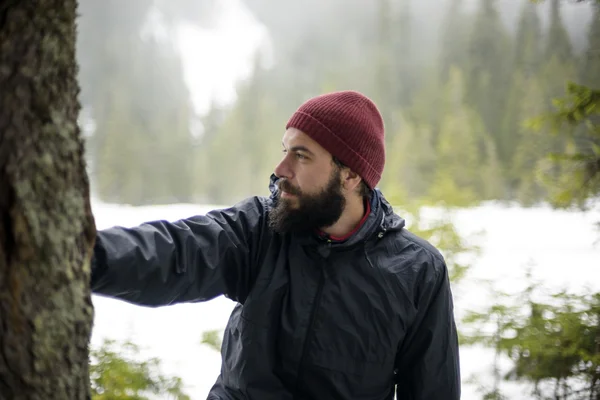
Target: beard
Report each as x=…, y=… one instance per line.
x=312, y=211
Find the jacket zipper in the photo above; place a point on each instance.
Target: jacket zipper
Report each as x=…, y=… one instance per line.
x=310, y=332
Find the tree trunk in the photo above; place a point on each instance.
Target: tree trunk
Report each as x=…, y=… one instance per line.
x=46, y=226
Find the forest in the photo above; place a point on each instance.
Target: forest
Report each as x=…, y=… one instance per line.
x=482, y=100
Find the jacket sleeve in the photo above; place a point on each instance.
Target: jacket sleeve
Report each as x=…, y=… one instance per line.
x=196, y=259
x=427, y=362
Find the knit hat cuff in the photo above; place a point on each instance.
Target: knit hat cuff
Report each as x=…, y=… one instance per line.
x=334, y=145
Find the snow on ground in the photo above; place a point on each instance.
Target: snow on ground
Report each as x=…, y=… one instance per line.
x=561, y=247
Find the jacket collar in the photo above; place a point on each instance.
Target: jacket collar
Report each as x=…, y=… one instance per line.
x=380, y=220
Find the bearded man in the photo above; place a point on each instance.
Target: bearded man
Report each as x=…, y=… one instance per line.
x=336, y=299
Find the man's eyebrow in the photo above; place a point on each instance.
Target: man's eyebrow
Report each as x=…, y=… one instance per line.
x=300, y=148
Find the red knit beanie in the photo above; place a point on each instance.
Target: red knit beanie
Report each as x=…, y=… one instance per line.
x=348, y=125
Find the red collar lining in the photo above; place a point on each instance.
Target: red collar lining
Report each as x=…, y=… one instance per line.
x=356, y=228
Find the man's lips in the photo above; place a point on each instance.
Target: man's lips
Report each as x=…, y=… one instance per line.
x=287, y=194
x=287, y=190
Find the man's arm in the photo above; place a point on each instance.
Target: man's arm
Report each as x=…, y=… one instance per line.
x=195, y=259
x=427, y=363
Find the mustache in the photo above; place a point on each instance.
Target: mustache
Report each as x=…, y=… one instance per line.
x=286, y=186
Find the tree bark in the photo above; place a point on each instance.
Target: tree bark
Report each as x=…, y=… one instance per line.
x=47, y=229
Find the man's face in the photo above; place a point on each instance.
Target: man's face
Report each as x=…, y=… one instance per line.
x=310, y=186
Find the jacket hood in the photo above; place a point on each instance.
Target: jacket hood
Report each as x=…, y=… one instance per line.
x=381, y=220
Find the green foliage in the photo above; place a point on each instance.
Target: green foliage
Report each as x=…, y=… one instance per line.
x=553, y=340
x=526, y=63
x=558, y=44
x=409, y=172
x=533, y=148
x=487, y=68
x=590, y=64
x=440, y=231
x=212, y=339
x=454, y=39
x=467, y=167
x=117, y=373
x=577, y=116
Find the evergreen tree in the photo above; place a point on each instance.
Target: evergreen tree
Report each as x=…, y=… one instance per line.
x=487, y=71
x=532, y=146
x=387, y=75
x=120, y=149
x=166, y=115
x=558, y=43
x=492, y=182
x=245, y=147
x=525, y=67
x=558, y=68
x=559, y=64
x=453, y=39
x=461, y=146
x=551, y=340
x=144, y=76
x=590, y=67
x=408, y=174
x=578, y=164
x=403, y=55
x=528, y=41
x=427, y=106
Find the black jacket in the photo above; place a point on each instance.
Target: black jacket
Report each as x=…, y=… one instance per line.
x=362, y=319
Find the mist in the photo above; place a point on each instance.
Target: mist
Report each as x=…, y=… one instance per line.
x=185, y=103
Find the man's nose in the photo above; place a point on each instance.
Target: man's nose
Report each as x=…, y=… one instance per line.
x=283, y=170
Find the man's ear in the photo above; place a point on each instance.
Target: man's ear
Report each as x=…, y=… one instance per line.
x=351, y=179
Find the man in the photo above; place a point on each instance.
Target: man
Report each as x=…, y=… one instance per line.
x=336, y=299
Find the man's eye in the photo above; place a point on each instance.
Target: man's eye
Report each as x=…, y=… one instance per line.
x=298, y=156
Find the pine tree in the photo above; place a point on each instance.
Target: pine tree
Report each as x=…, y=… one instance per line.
x=590, y=67
x=453, y=39
x=532, y=148
x=528, y=41
x=409, y=172
x=458, y=178
x=403, y=55
x=120, y=147
x=492, y=181
x=574, y=170
x=145, y=76
x=525, y=67
x=428, y=102
x=557, y=69
x=487, y=71
x=559, y=66
x=238, y=157
x=558, y=43
x=163, y=118
x=386, y=74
